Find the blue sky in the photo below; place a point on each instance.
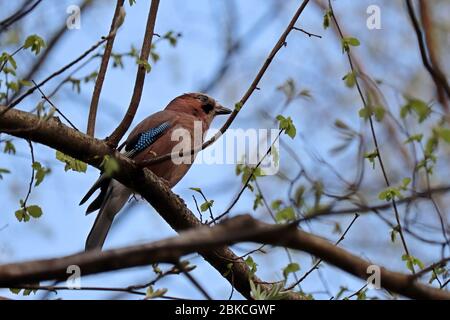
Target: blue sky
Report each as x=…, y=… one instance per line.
x=316, y=64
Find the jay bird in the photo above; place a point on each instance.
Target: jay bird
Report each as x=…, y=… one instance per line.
x=150, y=137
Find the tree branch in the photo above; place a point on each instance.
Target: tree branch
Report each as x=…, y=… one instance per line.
x=114, y=138
x=58, y=136
x=254, y=85
x=438, y=77
x=51, y=45
x=21, y=13
x=103, y=68
x=238, y=229
x=372, y=130
x=430, y=40
x=54, y=74
x=363, y=208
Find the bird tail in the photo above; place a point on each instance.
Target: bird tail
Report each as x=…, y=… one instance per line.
x=114, y=199
x=102, y=183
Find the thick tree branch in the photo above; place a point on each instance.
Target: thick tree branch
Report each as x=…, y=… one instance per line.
x=103, y=68
x=238, y=229
x=92, y=151
x=114, y=138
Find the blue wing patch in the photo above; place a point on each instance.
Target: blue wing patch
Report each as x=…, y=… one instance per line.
x=145, y=139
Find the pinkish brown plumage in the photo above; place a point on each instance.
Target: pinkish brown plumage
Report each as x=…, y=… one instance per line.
x=180, y=113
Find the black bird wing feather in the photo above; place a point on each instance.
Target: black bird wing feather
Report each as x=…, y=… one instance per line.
x=135, y=144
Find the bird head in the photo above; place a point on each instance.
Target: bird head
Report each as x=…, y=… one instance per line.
x=199, y=105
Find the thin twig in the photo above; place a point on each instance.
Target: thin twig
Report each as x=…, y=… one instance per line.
x=51, y=45
x=204, y=239
x=363, y=208
x=76, y=144
x=445, y=284
x=198, y=209
x=246, y=183
x=194, y=281
x=309, y=34
x=54, y=107
x=56, y=73
x=103, y=68
x=245, y=40
x=117, y=134
x=356, y=293
x=316, y=265
x=12, y=55
x=55, y=289
x=175, y=270
x=21, y=13
x=431, y=267
x=254, y=86
x=374, y=136
x=30, y=185
x=209, y=207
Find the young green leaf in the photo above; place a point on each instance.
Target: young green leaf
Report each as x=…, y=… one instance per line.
x=285, y=215
x=349, y=41
x=419, y=107
x=206, y=205
x=151, y=294
x=258, y=201
x=229, y=269
x=290, y=268
x=350, y=79
x=22, y=215
x=172, y=37
x=326, y=19
x=371, y=156
x=251, y=264
x=71, y=163
x=412, y=261
x=275, y=156
x=34, y=42
x=287, y=125
x=144, y=64
x=275, y=205
x=6, y=57
x=443, y=133
x=34, y=211
x=41, y=172
x=3, y=171
x=415, y=137
x=405, y=183
x=109, y=165
x=389, y=194
x=394, y=233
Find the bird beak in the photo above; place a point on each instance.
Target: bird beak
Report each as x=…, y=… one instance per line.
x=221, y=110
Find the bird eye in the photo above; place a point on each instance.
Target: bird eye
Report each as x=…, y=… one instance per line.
x=208, y=107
